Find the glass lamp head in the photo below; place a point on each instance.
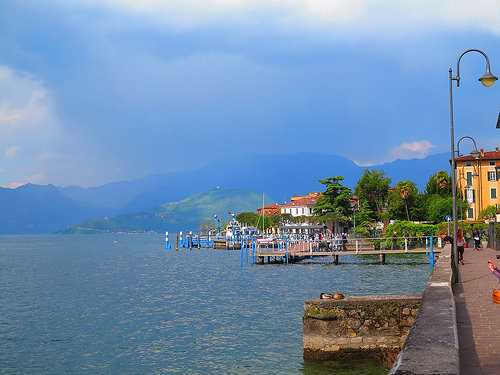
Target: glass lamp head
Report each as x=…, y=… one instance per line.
x=488, y=79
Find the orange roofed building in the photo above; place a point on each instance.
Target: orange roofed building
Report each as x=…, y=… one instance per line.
x=269, y=210
x=300, y=205
x=478, y=180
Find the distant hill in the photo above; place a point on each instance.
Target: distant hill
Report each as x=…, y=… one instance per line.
x=186, y=214
x=45, y=209
x=40, y=209
x=280, y=176
x=416, y=170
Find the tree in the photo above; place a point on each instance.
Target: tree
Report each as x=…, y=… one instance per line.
x=402, y=199
x=438, y=207
x=489, y=212
x=439, y=183
x=364, y=220
x=335, y=202
x=249, y=218
x=373, y=188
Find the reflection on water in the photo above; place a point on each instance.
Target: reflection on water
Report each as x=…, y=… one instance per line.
x=121, y=304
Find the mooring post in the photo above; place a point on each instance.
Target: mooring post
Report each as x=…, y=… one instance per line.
x=382, y=258
x=431, y=251
x=336, y=259
x=406, y=244
x=254, y=260
x=168, y=245
x=241, y=256
x=286, y=251
x=357, y=246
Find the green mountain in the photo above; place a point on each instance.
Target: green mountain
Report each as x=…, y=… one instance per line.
x=186, y=214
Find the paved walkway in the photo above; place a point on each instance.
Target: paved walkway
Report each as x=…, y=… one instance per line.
x=478, y=317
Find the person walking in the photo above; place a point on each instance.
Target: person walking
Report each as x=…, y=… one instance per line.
x=460, y=246
x=477, y=240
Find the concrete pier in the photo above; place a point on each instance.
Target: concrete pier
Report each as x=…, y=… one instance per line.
x=369, y=326
x=383, y=326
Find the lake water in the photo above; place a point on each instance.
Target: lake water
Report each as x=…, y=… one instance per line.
x=121, y=304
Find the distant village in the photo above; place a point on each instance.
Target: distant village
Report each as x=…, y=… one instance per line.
x=303, y=221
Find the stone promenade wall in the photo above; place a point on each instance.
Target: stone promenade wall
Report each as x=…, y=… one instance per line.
x=432, y=345
x=374, y=326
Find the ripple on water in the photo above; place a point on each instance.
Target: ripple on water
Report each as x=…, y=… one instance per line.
x=86, y=304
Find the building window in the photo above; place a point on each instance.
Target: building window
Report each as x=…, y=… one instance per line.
x=470, y=213
x=493, y=193
x=468, y=163
x=470, y=195
x=492, y=176
x=469, y=178
x=492, y=163
x=303, y=211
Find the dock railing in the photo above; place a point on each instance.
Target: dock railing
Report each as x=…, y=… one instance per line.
x=275, y=247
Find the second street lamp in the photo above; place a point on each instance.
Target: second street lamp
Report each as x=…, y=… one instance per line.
x=476, y=155
x=487, y=79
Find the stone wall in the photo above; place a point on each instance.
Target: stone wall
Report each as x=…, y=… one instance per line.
x=374, y=326
x=432, y=345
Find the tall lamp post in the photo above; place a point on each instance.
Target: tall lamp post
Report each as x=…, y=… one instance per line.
x=487, y=79
x=476, y=155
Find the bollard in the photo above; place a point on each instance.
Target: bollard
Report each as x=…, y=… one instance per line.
x=406, y=244
x=168, y=246
x=431, y=251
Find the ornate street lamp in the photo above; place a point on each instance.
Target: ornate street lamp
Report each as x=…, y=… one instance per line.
x=488, y=80
x=476, y=155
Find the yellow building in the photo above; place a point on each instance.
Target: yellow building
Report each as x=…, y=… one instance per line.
x=478, y=178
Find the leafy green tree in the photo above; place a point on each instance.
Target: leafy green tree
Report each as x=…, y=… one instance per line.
x=249, y=218
x=402, y=199
x=438, y=207
x=373, y=188
x=335, y=202
x=363, y=218
x=264, y=222
x=489, y=212
x=439, y=183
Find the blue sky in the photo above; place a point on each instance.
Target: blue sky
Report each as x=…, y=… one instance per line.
x=96, y=91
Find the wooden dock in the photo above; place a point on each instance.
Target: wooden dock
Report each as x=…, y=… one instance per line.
x=275, y=256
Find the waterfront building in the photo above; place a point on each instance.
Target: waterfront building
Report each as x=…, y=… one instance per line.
x=273, y=209
x=478, y=178
x=300, y=205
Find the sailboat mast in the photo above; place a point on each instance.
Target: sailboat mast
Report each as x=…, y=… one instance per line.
x=262, y=213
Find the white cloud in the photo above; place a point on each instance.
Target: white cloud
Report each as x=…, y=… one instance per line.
x=24, y=103
x=12, y=152
x=405, y=151
x=412, y=150
x=354, y=15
